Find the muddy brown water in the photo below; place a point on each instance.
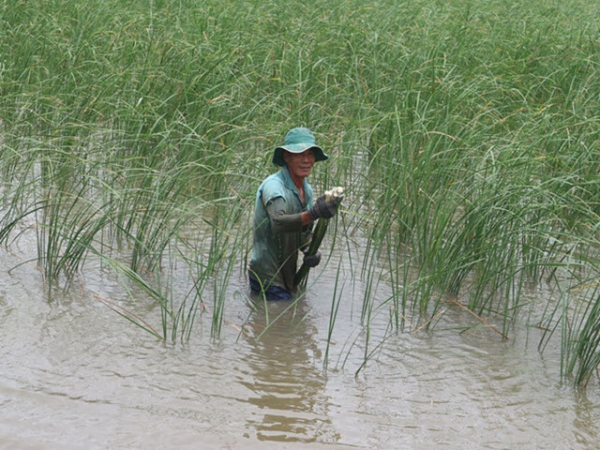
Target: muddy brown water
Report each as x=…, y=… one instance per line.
x=75, y=375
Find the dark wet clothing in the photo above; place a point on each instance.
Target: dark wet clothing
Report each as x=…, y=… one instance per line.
x=278, y=231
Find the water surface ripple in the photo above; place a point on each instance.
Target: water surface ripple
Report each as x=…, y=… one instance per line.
x=77, y=376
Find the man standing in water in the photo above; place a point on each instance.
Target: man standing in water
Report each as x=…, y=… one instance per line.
x=283, y=217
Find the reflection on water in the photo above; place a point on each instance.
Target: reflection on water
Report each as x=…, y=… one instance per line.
x=74, y=375
x=288, y=389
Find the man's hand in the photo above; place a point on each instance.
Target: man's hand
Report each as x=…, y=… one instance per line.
x=324, y=208
x=312, y=260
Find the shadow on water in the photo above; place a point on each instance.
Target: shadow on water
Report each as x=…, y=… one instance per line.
x=287, y=385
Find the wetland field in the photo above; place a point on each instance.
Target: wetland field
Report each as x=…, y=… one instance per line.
x=457, y=304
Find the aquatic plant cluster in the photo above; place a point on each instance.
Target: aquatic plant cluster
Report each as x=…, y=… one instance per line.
x=466, y=135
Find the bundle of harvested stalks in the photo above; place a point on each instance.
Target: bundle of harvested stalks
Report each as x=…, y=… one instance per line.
x=336, y=193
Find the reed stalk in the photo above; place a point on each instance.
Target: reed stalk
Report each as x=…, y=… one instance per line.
x=317, y=237
x=465, y=134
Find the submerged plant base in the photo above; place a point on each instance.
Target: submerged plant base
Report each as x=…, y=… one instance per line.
x=468, y=143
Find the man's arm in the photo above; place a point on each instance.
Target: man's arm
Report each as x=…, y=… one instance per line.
x=286, y=223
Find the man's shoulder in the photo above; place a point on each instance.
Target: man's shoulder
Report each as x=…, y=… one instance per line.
x=274, y=180
x=273, y=186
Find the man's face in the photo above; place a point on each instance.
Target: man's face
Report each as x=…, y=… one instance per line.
x=300, y=164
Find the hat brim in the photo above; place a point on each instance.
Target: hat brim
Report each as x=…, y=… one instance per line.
x=297, y=148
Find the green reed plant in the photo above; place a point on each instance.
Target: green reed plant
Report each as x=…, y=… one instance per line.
x=581, y=342
x=465, y=135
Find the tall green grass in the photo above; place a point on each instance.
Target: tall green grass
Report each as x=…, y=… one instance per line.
x=465, y=134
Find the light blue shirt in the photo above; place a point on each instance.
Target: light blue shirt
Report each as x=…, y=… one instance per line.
x=275, y=253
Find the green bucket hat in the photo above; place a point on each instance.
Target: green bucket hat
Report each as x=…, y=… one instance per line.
x=298, y=140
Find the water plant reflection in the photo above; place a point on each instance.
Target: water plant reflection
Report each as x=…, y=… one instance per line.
x=468, y=147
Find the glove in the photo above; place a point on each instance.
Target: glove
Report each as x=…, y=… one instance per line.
x=312, y=260
x=323, y=208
